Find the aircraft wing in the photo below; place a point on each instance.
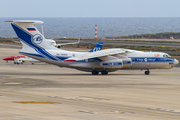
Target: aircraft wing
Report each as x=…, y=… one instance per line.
x=68, y=43
x=98, y=54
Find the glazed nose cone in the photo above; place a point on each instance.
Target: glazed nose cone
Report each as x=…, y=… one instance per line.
x=175, y=62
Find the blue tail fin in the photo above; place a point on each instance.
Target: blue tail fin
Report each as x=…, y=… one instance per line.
x=98, y=47
x=29, y=35
x=34, y=43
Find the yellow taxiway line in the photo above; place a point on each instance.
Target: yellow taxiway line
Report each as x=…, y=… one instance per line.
x=36, y=102
x=91, y=104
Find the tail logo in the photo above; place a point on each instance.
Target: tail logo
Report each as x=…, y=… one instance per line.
x=37, y=39
x=97, y=49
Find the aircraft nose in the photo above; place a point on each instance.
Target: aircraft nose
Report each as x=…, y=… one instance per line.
x=175, y=62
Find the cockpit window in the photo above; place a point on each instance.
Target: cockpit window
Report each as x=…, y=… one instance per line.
x=166, y=56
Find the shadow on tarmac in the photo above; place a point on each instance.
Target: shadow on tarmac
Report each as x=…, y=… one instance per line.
x=68, y=74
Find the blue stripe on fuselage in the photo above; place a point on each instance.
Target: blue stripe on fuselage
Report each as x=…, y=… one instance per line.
x=151, y=59
x=126, y=62
x=35, y=55
x=59, y=57
x=112, y=64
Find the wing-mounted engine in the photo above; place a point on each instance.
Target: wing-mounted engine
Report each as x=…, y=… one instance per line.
x=111, y=62
x=115, y=61
x=127, y=62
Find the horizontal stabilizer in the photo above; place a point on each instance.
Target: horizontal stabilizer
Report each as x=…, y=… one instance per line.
x=26, y=21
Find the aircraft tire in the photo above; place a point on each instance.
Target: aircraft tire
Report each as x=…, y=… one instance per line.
x=104, y=72
x=147, y=72
x=94, y=72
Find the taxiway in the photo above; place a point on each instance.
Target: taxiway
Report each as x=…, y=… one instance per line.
x=47, y=92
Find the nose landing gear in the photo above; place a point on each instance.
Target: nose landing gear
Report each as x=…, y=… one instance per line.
x=147, y=72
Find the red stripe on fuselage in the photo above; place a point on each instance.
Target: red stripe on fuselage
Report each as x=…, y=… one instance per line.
x=31, y=29
x=70, y=60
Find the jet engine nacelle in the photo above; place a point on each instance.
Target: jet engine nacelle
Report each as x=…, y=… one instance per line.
x=112, y=64
x=127, y=62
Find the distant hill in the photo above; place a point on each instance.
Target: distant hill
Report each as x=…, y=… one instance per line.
x=167, y=35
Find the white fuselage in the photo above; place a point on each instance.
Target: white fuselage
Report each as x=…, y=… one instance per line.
x=140, y=60
x=36, y=46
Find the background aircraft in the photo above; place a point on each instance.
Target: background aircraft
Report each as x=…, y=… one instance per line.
x=11, y=58
x=21, y=59
x=104, y=61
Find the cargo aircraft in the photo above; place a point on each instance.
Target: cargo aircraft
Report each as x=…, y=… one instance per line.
x=108, y=60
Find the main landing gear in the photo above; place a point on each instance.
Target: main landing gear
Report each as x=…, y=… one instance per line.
x=147, y=72
x=104, y=72
x=94, y=72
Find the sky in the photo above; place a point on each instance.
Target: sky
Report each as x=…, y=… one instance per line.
x=89, y=8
